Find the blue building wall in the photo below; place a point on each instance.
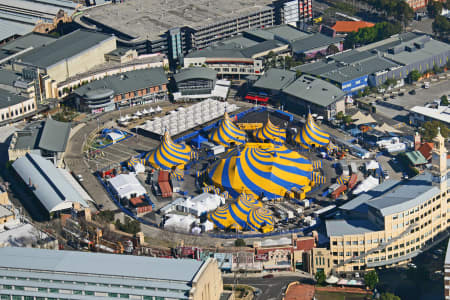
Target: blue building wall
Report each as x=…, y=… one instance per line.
x=352, y=87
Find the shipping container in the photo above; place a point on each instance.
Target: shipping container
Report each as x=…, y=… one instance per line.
x=353, y=168
x=352, y=182
x=333, y=187
x=166, y=190
x=163, y=176
x=338, y=191
x=143, y=209
x=136, y=201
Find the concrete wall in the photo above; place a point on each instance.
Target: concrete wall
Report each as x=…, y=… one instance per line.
x=207, y=284
x=17, y=110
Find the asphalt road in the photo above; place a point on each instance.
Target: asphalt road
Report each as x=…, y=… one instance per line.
x=271, y=288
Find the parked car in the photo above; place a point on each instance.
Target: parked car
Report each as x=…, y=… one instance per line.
x=412, y=92
x=412, y=266
x=80, y=178
x=268, y=276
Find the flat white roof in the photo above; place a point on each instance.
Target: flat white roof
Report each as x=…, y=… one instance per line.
x=127, y=184
x=442, y=113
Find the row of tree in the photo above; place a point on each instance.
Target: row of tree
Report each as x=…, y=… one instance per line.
x=394, y=9
x=369, y=35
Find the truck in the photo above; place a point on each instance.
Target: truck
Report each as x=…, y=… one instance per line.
x=338, y=191
x=219, y=149
x=166, y=189
x=306, y=203
x=163, y=176
x=352, y=182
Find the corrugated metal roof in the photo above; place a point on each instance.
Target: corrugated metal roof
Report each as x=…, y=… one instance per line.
x=55, y=136
x=345, y=227
x=52, y=189
x=275, y=79
x=9, y=29
x=194, y=73
x=75, y=262
x=7, y=98
x=416, y=158
x=315, y=41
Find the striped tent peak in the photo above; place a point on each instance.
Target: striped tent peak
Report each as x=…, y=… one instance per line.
x=311, y=135
x=317, y=164
x=240, y=209
x=221, y=217
x=261, y=169
x=343, y=179
x=258, y=218
x=134, y=161
x=169, y=154
x=227, y=132
x=317, y=178
x=271, y=132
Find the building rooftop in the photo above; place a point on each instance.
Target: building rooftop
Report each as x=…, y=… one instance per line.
x=195, y=73
x=30, y=40
x=349, y=226
x=416, y=158
x=55, y=136
x=53, y=190
x=77, y=262
x=149, y=19
x=314, y=90
x=10, y=28
x=442, y=113
x=65, y=47
x=4, y=212
x=126, y=82
x=314, y=41
x=350, y=26
x=349, y=65
x=7, y=98
x=284, y=33
x=275, y=79
x=23, y=235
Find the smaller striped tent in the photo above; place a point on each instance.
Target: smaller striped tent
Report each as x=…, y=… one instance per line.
x=207, y=189
x=135, y=161
x=342, y=179
x=169, y=154
x=225, y=195
x=318, y=179
x=332, y=147
x=178, y=174
x=311, y=135
x=227, y=133
x=260, y=219
x=272, y=133
x=317, y=164
x=221, y=217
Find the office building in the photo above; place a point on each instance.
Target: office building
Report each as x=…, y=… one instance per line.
x=71, y=54
x=393, y=222
x=124, y=89
x=44, y=274
x=430, y=112
x=419, y=4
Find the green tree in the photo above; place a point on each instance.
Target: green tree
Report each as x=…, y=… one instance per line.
x=239, y=243
x=371, y=279
x=441, y=26
x=347, y=119
x=444, y=100
x=434, y=8
x=430, y=129
x=389, y=296
x=414, y=75
x=332, y=49
x=320, y=277
x=298, y=73
x=340, y=115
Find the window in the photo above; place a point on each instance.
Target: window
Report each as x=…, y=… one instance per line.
x=76, y=292
x=19, y=288
x=41, y=289
x=124, y=296
x=112, y=295
x=89, y=293
x=54, y=291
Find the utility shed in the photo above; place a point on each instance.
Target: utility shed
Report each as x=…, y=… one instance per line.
x=416, y=158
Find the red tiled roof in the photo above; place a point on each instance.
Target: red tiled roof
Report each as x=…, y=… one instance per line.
x=300, y=292
x=426, y=149
x=349, y=26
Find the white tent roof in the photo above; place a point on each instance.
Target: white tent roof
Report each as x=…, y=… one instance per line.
x=371, y=165
x=127, y=184
x=362, y=118
x=387, y=128
x=366, y=185
x=114, y=136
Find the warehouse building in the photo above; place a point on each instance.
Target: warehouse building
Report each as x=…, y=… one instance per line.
x=49, y=184
x=74, y=53
x=48, y=138
x=125, y=89
x=310, y=93
x=394, y=222
x=39, y=274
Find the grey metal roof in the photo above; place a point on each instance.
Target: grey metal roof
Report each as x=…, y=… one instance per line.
x=195, y=73
x=65, y=47
x=9, y=29
x=314, y=90
x=261, y=47
x=32, y=39
x=55, y=136
x=127, y=82
x=8, y=77
x=344, y=67
x=282, y=32
x=359, y=203
x=275, y=79
x=75, y=262
x=345, y=227
x=7, y=98
x=4, y=212
x=52, y=189
x=228, y=51
x=314, y=41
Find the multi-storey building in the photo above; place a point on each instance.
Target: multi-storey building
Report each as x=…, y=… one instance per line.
x=27, y=273
x=418, y=4
x=394, y=222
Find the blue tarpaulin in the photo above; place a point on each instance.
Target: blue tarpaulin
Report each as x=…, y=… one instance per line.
x=198, y=140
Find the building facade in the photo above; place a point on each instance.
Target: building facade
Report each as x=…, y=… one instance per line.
x=402, y=221
x=28, y=273
x=14, y=107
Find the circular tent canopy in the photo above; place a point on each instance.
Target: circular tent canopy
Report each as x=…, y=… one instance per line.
x=227, y=133
x=312, y=135
x=169, y=154
x=260, y=219
x=271, y=132
x=261, y=169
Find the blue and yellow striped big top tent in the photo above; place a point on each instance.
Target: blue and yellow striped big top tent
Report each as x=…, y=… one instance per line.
x=227, y=133
x=261, y=169
x=245, y=213
x=169, y=154
x=312, y=135
x=271, y=132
